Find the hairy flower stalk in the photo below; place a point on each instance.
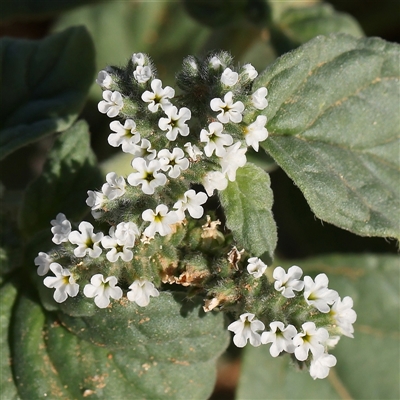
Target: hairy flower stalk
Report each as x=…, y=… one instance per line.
x=157, y=228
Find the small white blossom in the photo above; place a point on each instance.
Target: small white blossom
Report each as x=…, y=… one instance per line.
x=104, y=79
x=142, y=73
x=87, y=241
x=280, y=337
x=174, y=162
x=102, y=289
x=144, y=150
x=250, y=71
x=193, y=151
x=138, y=59
x=126, y=233
x=175, y=122
x=310, y=339
x=63, y=282
x=61, y=229
x=344, y=315
x=215, y=62
x=320, y=366
x=112, y=103
x=214, y=180
x=317, y=293
x=233, y=159
x=229, y=111
x=95, y=201
x=256, y=267
x=43, y=261
x=140, y=292
x=215, y=139
x=256, y=132
x=159, y=97
x=115, y=186
x=246, y=329
x=286, y=283
x=125, y=135
x=147, y=175
x=160, y=220
x=258, y=98
x=191, y=202
x=229, y=77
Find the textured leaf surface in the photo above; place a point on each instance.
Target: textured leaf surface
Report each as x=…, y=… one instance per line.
x=247, y=203
x=334, y=123
x=48, y=360
x=43, y=85
x=69, y=172
x=367, y=366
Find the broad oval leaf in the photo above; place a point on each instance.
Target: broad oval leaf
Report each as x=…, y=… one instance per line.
x=368, y=365
x=43, y=85
x=70, y=170
x=247, y=204
x=333, y=124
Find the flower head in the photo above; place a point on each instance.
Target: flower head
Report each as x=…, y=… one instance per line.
x=159, y=97
x=258, y=98
x=102, y=289
x=63, y=282
x=344, y=315
x=174, y=162
x=320, y=366
x=193, y=151
x=280, y=337
x=112, y=103
x=310, y=339
x=144, y=150
x=61, y=228
x=175, y=122
x=250, y=71
x=115, y=186
x=256, y=132
x=125, y=135
x=87, y=241
x=191, y=202
x=126, y=233
x=104, y=79
x=140, y=292
x=215, y=140
x=256, y=267
x=286, y=283
x=160, y=220
x=214, y=180
x=229, y=77
x=138, y=59
x=43, y=261
x=142, y=73
x=228, y=110
x=317, y=293
x=233, y=159
x=118, y=248
x=246, y=329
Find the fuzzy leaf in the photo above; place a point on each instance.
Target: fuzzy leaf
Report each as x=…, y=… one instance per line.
x=172, y=356
x=247, y=203
x=43, y=87
x=333, y=123
x=372, y=282
x=69, y=172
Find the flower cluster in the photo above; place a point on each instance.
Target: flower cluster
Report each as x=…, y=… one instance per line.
x=316, y=318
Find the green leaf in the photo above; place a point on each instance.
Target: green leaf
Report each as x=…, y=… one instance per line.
x=298, y=25
x=247, y=203
x=8, y=294
x=171, y=357
x=69, y=172
x=368, y=365
x=333, y=123
x=43, y=88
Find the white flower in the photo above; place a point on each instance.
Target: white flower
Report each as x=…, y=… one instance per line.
x=140, y=292
x=159, y=96
x=160, y=220
x=104, y=79
x=174, y=162
x=115, y=186
x=286, y=283
x=256, y=267
x=87, y=241
x=175, y=123
x=146, y=174
x=43, y=261
x=256, y=132
x=229, y=111
x=215, y=139
x=246, y=329
x=142, y=73
x=119, y=248
x=233, y=159
x=126, y=233
x=193, y=151
x=63, y=282
x=112, y=103
x=317, y=293
x=102, y=290
x=250, y=71
x=125, y=135
x=138, y=59
x=280, y=337
x=258, y=98
x=320, y=366
x=344, y=315
x=144, y=150
x=95, y=201
x=311, y=339
x=229, y=77
x=215, y=62
x=214, y=180
x=192, y=202
x=61, y=229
